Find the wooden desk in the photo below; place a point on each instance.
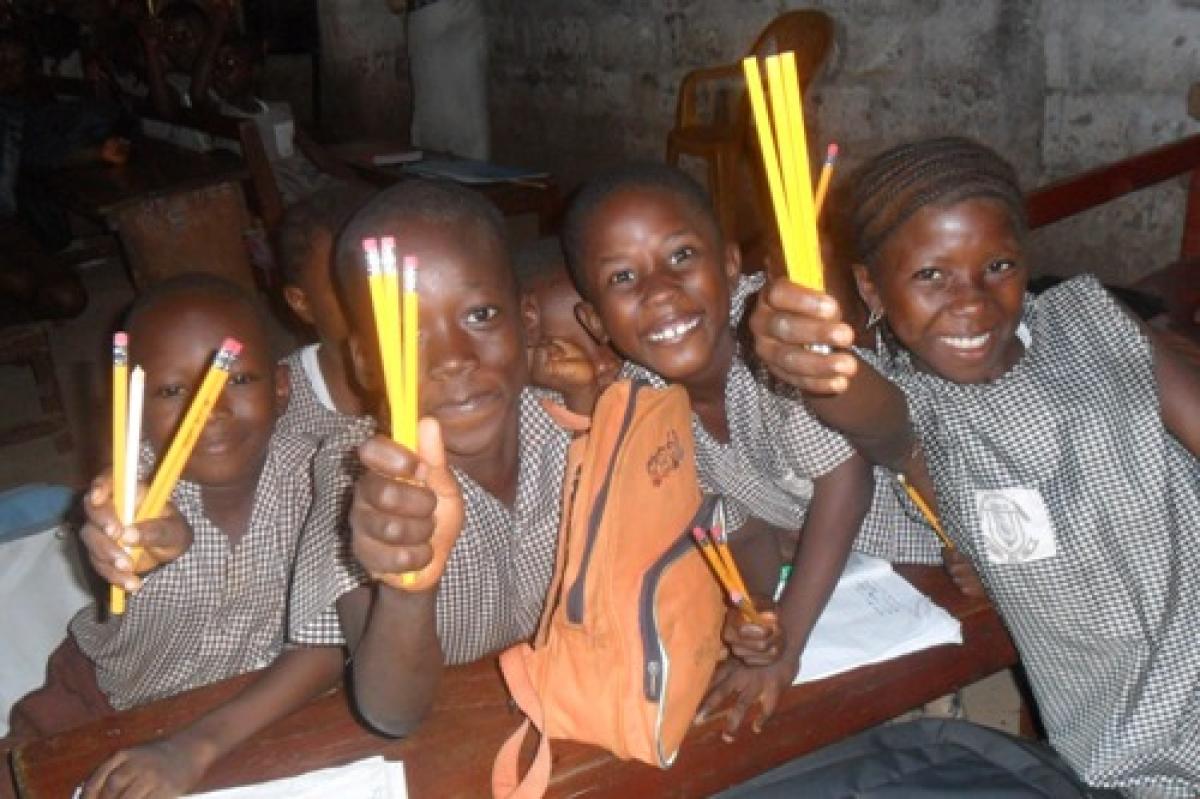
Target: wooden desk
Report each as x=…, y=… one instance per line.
x=540, y=198
x=174, y=210
x=451, y=754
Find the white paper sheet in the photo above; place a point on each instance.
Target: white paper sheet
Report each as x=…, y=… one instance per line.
x=370, y=778
x=874, y=615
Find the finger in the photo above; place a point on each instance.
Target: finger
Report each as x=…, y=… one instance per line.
x=385, y=457
x=718, y=690
x=767, y=703
x=733, y=722
x=108, y=559
x=96, y=782
x=784, y=295
x=378, y=558
x=434, y=470
x=98, y=506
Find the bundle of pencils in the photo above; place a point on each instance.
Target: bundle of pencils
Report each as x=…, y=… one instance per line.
x=395, y=307
x=784, y=145
x=926, y=511
x=715, y=549
x=127, y=429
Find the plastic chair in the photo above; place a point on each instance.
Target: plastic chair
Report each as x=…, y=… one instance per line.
x=724, y=138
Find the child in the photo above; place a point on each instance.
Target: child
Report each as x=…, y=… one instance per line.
x=1061, y=439
x=323, y=394
x=214, y=592
x=656, y=276
x=501, y=464
x=549, y=310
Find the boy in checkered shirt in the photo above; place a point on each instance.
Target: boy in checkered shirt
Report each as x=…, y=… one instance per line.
x=476, y=509
x=660, y=284
x=210, y=592
x=324, y=397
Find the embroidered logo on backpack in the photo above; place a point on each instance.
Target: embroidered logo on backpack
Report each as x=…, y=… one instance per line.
x=665, y=459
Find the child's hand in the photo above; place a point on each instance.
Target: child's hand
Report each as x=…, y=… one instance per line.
x=748, y=686
x=750, y=643
x=159, y=541
x=562, y=366
x=163, y=768
x=788, y=320
x=407, y=511
x=959, y=567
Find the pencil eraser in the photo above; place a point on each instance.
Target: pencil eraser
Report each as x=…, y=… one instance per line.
x=736, y=598
x=388, y=242
x=832, y=151
x=232, y=346
x=121, y=338
x=698, y=533
x=410, y=262
x=370, y=243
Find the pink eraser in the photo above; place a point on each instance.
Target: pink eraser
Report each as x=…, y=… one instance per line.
x=698, y=534
x=121, y=339
x=370, y=244
x=832, y=151
x=232, y=346
x=388, y=241
x=736, y=598
x=410, y=262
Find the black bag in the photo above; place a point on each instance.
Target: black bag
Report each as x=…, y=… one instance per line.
x=924, y=759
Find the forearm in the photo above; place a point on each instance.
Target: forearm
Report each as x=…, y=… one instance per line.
x=873, y=415
x=840, y=501
x=756, y=550
x=296, y=677
x=398, y=663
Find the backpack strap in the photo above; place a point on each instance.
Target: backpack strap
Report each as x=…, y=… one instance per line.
x=506, y=779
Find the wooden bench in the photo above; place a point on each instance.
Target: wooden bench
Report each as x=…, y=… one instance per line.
x=451, y=753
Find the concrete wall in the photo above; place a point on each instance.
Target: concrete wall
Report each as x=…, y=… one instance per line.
x=1056, y=85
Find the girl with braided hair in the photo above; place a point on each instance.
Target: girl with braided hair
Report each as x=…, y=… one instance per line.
x=1058, y=436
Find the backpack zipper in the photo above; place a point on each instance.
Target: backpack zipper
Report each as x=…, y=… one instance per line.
x=575, y=598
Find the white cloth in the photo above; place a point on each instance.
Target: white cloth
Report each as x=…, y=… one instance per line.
x=42, y=585
x=447, y=62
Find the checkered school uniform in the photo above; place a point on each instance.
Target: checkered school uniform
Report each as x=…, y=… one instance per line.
x=217, y=610
x=306, y=414
x=777, y=447
x=1081, y=513
x=492, y=592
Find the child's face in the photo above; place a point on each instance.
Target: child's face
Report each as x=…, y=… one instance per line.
x=659, y=280
x=175, y=342
x=183, y=37
x=234, y=71
x=472, y=353
x=951, y=282
x=550, y=312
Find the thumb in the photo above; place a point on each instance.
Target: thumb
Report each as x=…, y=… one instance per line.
x=433, y=470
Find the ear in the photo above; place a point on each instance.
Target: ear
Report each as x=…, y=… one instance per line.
x=297, y=300
x=364, y=364
x=587, y=316
x=531, y=318
x=283, y=387
x=733, y=264
x=867, y=289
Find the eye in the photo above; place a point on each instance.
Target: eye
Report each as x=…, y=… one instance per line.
x=681, y=255
x=620, y=276
x=927, y=274
x=243, y=378
x=170, y=391
x=482, y=315
x=1002, y=265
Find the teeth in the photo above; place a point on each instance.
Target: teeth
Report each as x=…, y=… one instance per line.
x=967, y=342
x=674, y=332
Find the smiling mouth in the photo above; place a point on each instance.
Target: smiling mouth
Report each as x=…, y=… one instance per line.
x=966, y=343
x=673, y=332
x=468, y=406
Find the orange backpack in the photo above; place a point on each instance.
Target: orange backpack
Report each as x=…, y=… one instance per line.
x=631, y=631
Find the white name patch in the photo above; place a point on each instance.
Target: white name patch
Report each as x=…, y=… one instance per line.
x=1015, y=525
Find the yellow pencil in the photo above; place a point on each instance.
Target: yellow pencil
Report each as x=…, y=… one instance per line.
x=408, y=342
x=395, y=358
x=120, y=402
x=804, y=214
x=926, y=511
x=133, y=438
x=189, y=431
x=831, y=155
x=766, y=145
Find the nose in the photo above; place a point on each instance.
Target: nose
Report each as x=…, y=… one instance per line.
x=221, y=408
x=448, y=350
x=969, y=296
x=660, y=285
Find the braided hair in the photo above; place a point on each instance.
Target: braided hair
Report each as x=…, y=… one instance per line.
x=890, y=188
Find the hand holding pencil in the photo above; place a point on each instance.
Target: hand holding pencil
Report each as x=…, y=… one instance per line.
x=158, y=541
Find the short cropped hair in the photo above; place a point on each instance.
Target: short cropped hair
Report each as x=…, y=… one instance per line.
x=200, y=285
x=418, y=199
x=327, y=210
x=639, y=175
x=894, y=185
x=539, y=261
